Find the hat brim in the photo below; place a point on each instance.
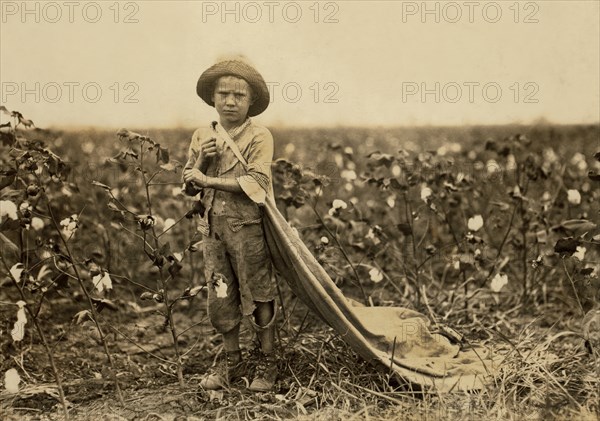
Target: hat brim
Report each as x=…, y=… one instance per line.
x=206, y=83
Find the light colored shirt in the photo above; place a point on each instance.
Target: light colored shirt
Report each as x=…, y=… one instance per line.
x=256, y=146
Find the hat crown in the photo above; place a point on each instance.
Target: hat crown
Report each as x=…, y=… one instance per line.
x=238, y=68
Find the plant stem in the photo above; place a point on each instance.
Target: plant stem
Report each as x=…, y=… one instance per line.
x=573, y=286
x=163, y=283
x=92, y=308
x=342, y=249
x=49, y=352
x=500, y=248
x=524, y=227
x=410, y=222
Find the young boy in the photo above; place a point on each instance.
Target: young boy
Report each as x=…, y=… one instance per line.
x=237, y=262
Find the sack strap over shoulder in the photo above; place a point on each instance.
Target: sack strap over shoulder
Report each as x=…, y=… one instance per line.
x=229, y=142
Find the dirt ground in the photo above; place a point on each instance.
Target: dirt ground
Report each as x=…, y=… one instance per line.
x=150, y=386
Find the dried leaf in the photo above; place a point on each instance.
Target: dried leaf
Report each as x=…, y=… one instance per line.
x=147, y=295
x=576, y=227
x=594, y=176
x=81, y=316
x=566, y=246
x=98, y=184
x=102, y=303
x=381, y=159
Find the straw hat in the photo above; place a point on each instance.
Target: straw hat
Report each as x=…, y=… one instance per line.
x=206, y=83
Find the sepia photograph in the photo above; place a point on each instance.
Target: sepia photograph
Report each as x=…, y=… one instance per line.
x=299, y=210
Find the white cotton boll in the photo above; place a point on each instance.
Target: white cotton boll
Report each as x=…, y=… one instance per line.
x=336, y=205
x=499, y=281
x=65, y=190
x=475, y=223
x=391, y=201
x=69, y=225
x=579, y=160
x=511, y=162
x=18, y=331
x=289, y=149
x=25, y=207
x=102, y=281
x=8, y=209
x=580, y=253
x=324, y=240
x=426, y=192
x=375, y=275
x=550, y=156
x=492, y=166
x=12, y=380
x=169, y=222
x=371, y=236
x=176, y=191
x=574, y=197
x=396, y=171
x=16, y=271
x=339, y=204
x=88, y=147
x=454, y=147
x=37, y=223
x=349, y=175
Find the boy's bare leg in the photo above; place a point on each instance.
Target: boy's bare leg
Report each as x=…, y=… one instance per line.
x=264, y=314
x=266, y=369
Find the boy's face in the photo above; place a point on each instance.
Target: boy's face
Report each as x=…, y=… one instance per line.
x=232, y=98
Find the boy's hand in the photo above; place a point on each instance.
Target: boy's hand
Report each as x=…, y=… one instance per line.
x=209, y=148
x=196, y=176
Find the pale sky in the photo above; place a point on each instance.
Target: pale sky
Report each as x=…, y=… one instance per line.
x=481, y=63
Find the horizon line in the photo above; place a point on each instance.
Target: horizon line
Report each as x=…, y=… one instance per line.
x=541, y=123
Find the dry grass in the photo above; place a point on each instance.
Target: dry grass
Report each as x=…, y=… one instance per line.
x=546, y=374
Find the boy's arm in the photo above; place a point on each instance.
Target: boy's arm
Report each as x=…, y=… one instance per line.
x=256, y=183
x=194, y=152
x=197, y=159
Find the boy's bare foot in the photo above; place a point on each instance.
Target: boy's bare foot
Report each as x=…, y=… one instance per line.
x=266, y=373
x=229, y=368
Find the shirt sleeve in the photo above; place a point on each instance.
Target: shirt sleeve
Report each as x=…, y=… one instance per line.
x=256, y=182
x=193, y=154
